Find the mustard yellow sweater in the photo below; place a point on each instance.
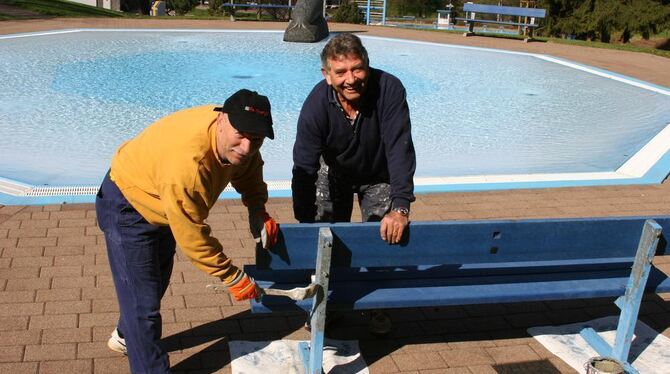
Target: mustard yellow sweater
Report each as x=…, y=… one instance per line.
x=171, y=174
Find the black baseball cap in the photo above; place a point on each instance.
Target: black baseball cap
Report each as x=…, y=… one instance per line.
x=249, y=112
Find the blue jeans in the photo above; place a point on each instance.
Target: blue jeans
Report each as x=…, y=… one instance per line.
x=141, y=257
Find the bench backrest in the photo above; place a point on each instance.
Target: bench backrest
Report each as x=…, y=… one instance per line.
x=471, y=244
x=505, y=10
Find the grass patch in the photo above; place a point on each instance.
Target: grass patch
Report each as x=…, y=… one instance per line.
x=195, y=13
x=620, y=47
x=201, y=13
x=239, y=16
x=663, y=34
x=583, y=43
x=62, y=8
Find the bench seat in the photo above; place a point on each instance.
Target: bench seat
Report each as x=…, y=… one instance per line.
x=498, y=22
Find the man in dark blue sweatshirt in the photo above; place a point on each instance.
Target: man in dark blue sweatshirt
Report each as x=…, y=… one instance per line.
x=354, y=136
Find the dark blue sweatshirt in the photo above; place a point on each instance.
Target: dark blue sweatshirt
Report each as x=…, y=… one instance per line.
x=377, y=148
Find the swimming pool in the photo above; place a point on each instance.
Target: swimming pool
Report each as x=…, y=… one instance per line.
x=482, y=118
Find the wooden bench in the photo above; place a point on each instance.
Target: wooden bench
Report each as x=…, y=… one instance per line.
x=529, y=15
x=465, y=262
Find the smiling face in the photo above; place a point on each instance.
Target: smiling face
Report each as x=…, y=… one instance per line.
x=234, y=146
x=348, y=75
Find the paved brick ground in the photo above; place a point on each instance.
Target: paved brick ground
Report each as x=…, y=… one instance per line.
x=57, y=302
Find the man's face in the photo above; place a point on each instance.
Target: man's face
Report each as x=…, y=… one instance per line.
x=348, y=75
x=235, y=146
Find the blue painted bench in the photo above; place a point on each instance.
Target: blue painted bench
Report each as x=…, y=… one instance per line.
x=529, y=15
x=465, y=262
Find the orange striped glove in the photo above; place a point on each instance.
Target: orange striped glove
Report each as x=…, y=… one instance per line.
x=264, y=228
x=243, y=287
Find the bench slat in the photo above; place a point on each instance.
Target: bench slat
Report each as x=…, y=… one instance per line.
x=497, y=22
x=506, y=10
x=466, y=290
x=442, y=271
x=462, y=243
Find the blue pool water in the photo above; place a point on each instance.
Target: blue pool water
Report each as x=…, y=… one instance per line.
x=68, y=100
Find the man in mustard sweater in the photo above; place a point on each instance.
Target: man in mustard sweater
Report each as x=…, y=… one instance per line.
x=159, y=190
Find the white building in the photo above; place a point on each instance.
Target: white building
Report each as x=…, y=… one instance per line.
x=107, y=4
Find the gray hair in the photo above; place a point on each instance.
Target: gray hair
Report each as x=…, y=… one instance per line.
x=344, y=45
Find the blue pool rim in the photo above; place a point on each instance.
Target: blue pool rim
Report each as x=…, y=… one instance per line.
x=14, y=192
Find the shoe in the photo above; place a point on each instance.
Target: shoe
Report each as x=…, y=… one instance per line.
x=380, y=323
x=116, y=343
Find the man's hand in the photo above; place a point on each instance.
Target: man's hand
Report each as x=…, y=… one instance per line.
x=264, y=228
x=393, y=226
x=243, y=287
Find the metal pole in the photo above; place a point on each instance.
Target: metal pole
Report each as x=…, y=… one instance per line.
x=312, y=354
x=630, y=302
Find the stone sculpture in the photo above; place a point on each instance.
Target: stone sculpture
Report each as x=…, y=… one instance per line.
x=307, y=24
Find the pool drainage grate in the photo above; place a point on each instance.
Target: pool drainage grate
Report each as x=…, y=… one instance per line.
x=17, y=189
x=61, y=191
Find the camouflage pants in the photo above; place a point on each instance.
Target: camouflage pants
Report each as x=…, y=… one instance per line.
x=334, y=198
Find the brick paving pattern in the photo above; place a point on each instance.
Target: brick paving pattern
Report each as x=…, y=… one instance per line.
x=57, y=301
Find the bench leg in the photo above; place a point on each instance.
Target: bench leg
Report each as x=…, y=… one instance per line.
x=529, y=34
x=471, y=29
x=312, y=354
x=629, y=303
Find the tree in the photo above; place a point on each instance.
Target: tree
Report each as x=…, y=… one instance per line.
x=603, y=19
x=559, y=16
x=347, y=12
x=648, y=17
x=181, y=7
x=216, y=7
x=275, y=13
x=136, y=6
x=419, y=8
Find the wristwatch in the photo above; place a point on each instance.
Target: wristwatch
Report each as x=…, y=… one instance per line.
x=402, y=210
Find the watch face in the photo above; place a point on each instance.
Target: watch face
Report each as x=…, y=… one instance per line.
x=402, y=211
